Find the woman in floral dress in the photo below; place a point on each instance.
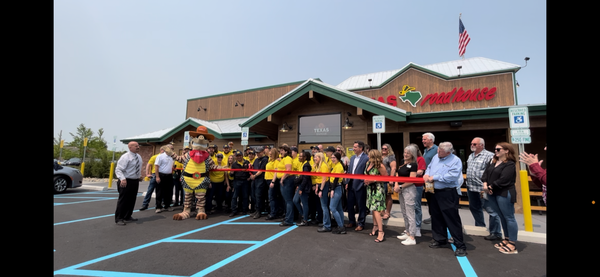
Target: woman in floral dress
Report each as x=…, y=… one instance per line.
x=376, y=193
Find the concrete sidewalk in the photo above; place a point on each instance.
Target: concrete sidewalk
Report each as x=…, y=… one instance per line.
x=538, y=221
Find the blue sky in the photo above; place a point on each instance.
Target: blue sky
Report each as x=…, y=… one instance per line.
x=129, y=66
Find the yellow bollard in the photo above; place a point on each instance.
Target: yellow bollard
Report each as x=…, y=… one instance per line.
x=526, y=202
x=110, y=177
x=82, y=167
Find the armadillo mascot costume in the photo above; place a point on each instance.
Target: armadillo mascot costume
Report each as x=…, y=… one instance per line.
x=194, y=178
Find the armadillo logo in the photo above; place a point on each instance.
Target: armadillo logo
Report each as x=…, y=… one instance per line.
x=408, y=94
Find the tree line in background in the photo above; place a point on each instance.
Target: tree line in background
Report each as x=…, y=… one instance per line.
x=97, y=156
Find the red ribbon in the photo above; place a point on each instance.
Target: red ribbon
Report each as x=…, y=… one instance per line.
x=376, y=178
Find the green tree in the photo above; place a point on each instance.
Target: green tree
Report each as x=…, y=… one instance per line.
x=78, y=138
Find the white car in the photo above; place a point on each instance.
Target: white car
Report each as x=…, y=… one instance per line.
x=66, y=177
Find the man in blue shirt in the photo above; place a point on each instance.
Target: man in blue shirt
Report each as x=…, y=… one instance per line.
x=445, y=172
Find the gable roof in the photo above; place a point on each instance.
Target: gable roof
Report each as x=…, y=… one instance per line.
x=446, y=70
x=221, y=129
x=363, y=102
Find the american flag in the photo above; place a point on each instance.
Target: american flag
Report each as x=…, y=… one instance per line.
x=463, y=38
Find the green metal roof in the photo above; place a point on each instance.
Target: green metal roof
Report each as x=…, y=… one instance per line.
x=350, y=98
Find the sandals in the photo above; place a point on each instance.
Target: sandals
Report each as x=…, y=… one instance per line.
x=380, y=240
x=501, y=244
x=374, y=233
x=507, y=250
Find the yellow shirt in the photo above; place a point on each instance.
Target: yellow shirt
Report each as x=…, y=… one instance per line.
x=151, y=162
x=178, y=166
x=226, y=156
x=318, y=179
x=337, y=168
x=281, y=165
x=217, y=176
x=296, y=164
x=271, y=165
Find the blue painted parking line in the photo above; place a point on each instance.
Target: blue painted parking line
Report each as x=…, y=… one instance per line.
x=464, y=262
x=74, y=270
x=93, y=198
x=90, y=218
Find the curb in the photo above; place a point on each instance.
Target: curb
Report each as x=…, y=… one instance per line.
x=467, y=229
x=98, y=188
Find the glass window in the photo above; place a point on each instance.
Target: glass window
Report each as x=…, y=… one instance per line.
x=320, y=128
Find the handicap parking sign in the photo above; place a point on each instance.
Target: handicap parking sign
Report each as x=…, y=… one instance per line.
x=519, y=119
x=379, y=124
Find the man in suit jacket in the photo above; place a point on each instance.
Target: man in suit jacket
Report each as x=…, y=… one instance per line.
x=357, y=193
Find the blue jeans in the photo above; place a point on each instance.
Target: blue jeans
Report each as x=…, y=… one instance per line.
x=325, y=207
x=335, y=206
x=274, y=198
x=240, y=189
x=506, y=212
x=258, y=186
x=418, y=211
x=303, y=209
x=287, y=191
x=151, y=187
x=494, y=219
x=476, y=207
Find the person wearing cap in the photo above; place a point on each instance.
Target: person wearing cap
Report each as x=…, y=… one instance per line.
x=217, y=180
x=267, y=150
x=233, y=150
x=240, y=184
x=227, y=152
x=328, y=152
x=258, y=182
x=251, y=156
x=212, y=150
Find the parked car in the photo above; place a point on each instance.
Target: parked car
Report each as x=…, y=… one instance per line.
x=73, y=161
x=66, y=177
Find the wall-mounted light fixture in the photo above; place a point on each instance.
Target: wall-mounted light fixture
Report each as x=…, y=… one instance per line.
x=201, y=108
x=285, y=127
x=238, y=102
x=348, y=124
x=459, y=68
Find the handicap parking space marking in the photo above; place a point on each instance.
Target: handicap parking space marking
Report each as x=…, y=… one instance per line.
x=74, y=270
x=464, y=262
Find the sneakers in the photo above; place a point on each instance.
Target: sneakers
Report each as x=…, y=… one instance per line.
x=158, y=211
x=143, y=208
x=409, y=241
x=403, y=236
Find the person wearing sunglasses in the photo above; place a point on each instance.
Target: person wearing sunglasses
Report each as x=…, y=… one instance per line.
x=476, y=165
x=499, y=183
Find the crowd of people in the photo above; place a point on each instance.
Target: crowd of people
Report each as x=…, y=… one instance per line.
x=321, y=199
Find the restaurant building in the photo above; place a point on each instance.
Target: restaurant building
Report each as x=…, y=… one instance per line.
x=456, y=101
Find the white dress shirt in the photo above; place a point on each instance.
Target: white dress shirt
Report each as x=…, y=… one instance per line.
x=165, y=163
x=126, y=166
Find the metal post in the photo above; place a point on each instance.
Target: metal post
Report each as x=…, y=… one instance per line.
x=525, y=192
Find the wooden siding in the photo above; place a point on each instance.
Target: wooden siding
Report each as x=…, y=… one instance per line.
x=429, y=84
x=223, y=106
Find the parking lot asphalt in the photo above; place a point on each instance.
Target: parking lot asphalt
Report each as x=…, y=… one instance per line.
x=87, y=242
